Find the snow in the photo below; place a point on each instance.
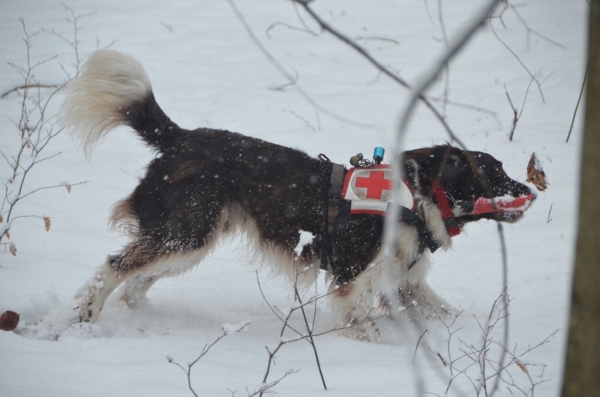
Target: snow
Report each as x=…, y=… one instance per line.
x=207, y=71
x=306, y=238
x=232, y=328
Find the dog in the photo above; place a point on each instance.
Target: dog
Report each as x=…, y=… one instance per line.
x=206, y=184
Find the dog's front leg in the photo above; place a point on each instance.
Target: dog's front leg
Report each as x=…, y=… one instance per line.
x=356, y=305
x=417, y=297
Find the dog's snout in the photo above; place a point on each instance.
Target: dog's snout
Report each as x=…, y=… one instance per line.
x=526, y=191
x=512, y=188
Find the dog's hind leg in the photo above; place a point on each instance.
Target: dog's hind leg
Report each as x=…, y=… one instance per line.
x=133, y=260
x=136, y=287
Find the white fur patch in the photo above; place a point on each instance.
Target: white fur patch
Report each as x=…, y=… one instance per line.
x=109, y=81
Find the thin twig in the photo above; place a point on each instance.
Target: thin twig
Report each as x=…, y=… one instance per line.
x=417, y=346
x=287, y=25
x=282, y=70
x=529, y=30
x=23, y=87
x=301, y=118
x=310, y=336
x=207, y=347
x=578, y=101
x=515, y=114
x=300, y=17
x=521, y=62
x=281, y=87
x=383, y=69
x=367, y=39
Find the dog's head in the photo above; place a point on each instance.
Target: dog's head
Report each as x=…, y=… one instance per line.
x=469, y=180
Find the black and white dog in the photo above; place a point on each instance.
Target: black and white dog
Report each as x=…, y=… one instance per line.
x=206, y=184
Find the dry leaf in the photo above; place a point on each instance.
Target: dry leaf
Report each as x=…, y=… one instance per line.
x=535, y=173
x=9, y=320
x=8, y=234
x=12, y=248
x=68, y=187
x=522, y=367
x=47, y=224
x=1, y=218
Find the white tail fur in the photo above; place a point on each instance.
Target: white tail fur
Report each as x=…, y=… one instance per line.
x=110, y=81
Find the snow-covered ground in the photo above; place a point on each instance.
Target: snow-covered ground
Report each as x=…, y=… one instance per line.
x=207, y=71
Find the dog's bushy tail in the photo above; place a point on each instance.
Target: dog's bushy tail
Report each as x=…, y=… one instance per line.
x=113, y=89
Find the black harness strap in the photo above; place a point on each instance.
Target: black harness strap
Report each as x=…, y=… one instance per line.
x=411, y=218
x=337, y=211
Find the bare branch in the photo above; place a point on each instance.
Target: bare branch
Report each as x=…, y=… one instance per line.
x=417, y=346
x=207, y=347
x=301, y=118
x=367, y=39
x=287, y=25
x=23, y=87
x=43, y=188
x=521, y=62
x=383, y=69
x=281, y=87
x=282, y=70
x=578, y=101
x=529, y=30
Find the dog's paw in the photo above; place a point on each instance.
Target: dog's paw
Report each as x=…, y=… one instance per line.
x=87, y=302
x=85, y=313
x=421, y=303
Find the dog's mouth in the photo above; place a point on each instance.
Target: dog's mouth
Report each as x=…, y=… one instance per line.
x=504, y=209
x=509, y=207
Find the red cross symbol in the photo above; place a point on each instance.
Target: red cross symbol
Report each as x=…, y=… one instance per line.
x=375, y=184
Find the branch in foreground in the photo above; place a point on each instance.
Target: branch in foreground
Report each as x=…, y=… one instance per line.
x=391, y=231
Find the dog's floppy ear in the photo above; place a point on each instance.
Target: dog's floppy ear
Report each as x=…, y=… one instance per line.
x=411, y=172
x=452, y=165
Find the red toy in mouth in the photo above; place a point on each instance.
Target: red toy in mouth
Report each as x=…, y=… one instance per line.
x=502, y=204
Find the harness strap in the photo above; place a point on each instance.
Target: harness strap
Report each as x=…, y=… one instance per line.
x=337, y=211
x=411, y=218
x=444, y=206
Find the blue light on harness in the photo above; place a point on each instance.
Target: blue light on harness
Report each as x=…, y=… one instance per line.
x=378, y=154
